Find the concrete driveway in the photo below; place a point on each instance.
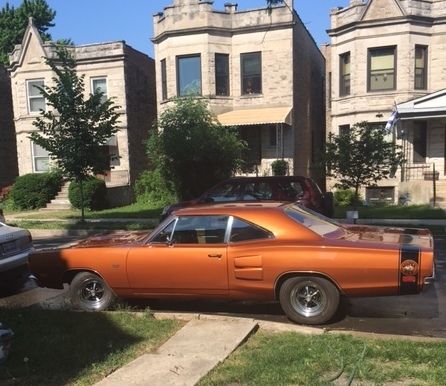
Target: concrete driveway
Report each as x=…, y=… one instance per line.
x=422, y=315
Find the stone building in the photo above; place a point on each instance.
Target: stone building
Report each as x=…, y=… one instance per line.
x=8, y=150
x=260, y=69
x=386, y=55
x=122, y=73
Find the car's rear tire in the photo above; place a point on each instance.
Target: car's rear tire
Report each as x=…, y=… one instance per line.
x=89, y=292
x=309, y=299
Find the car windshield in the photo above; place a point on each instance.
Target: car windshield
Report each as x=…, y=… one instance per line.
x=316, y=222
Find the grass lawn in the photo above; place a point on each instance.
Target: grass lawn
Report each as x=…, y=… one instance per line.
x=395, y=212
x=294, y=359
x=76, y=348
x=136, y=210
x=131, y=226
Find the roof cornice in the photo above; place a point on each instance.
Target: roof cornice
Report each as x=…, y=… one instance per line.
x=220, y=30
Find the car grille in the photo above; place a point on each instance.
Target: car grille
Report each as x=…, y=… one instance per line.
x=13, y=247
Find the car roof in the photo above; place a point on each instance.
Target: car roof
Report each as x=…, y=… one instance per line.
x=267, y=215
x=229, y=208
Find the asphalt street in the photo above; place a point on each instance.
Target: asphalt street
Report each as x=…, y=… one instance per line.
x=422, y=315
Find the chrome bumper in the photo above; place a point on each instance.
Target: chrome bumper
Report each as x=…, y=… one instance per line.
x=430, y=280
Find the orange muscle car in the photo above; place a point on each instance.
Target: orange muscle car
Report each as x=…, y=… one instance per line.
x=244, y=251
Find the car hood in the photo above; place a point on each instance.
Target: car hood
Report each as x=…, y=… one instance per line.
x=8, y=233
x=112, y=239
x=390, y=235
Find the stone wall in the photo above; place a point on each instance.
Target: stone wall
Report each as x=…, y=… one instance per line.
x=403, y=33
x=141, y=107
x=291, y=65
x=309, y=103
x=8, y=149
x=129, y=77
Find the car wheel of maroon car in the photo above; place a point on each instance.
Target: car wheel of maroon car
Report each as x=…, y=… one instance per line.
x=309, y=300
x=89, y=292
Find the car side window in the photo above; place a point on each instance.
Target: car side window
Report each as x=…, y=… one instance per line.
x=244, y=231
x=257, y=191
x=200, y=230
x=288, y=191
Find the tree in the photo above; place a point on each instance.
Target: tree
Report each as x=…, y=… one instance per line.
x=361, y=156
x=192, y=149
x=74, y=130
x=13, y=23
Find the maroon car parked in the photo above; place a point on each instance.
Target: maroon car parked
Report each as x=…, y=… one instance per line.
x=298, y=189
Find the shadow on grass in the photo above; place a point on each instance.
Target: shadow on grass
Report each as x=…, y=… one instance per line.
x=60, y=347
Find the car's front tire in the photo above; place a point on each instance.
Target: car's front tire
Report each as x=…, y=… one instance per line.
x=309, y=300
x=89, y=292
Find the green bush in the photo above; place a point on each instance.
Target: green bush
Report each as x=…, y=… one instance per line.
x=151, y=188
x=279, y=167
x=345, y=197
x=95, y=194
x=35, y=190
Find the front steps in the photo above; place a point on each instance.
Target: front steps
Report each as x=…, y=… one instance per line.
x=61, y=201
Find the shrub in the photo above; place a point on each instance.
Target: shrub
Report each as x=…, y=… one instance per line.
x=95, y=194
x=152, y=189
x=35, y=190
x=279, y=167
x=345, y=197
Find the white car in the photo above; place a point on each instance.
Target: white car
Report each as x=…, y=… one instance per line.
x=15, y=246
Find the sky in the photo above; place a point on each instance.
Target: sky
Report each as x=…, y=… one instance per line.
x=94, y=21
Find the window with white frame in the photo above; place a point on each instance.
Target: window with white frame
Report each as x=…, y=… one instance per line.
x=99, y=85
x=41, y=158
x=36, y=101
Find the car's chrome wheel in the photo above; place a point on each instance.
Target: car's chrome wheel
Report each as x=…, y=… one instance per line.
x=90, y=292
x=309, y=300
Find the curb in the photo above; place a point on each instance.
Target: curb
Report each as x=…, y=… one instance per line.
x=277, y=327
x=396, y=221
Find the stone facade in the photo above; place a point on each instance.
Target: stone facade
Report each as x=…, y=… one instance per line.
x=414, y=33
x=292, y=74
x=128, y=78
x=8, y=149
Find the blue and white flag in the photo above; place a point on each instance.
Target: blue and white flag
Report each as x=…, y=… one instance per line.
x=391, y=122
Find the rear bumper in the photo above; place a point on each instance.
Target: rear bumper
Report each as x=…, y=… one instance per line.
x=428, y=281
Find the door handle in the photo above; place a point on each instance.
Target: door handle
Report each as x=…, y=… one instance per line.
x=215, y=255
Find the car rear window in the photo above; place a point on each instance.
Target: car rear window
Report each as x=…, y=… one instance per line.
x=225, y=193
x=274, y=190
x=312, y=221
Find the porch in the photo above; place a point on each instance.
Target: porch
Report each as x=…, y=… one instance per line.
x=421, y=131
x=268, y=134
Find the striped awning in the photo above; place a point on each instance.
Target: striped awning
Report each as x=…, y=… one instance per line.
x=259, y=116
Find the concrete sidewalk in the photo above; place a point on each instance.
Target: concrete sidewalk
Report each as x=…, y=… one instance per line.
x=186, y=357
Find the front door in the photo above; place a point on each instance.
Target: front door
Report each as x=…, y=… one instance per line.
x=188, y=256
